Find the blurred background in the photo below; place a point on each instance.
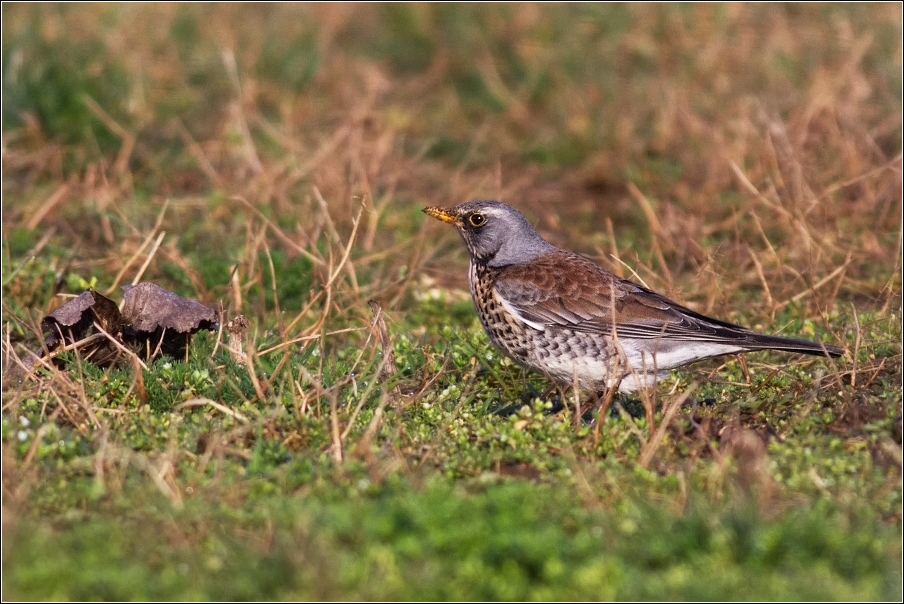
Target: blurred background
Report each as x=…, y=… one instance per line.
x=645, y=133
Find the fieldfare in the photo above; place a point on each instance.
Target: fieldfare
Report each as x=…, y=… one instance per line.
x=562, y=315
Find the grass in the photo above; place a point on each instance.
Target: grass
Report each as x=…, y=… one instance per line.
x=745, y=160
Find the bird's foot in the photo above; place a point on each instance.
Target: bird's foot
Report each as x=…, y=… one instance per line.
x=694, y=402
x=551, y=396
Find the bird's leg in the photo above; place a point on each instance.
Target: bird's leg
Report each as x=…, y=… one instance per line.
x=693, y=402
x=547, y=397
x=557, y=400
x=601, y=401
x=648, y=400
x=604, y=400
x=633, y=406
x=529, y=396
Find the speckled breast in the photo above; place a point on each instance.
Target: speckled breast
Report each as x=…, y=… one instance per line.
x=563, y=354
x=505, y=332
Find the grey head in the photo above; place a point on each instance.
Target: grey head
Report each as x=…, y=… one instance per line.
x=495, y=233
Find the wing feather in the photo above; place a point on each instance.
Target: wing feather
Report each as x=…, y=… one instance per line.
x=589, y=299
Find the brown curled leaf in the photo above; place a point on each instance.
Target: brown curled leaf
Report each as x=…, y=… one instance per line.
x=147, y=307
x=75, y=318
x=157, y=320
x=73, y=324
x=153, y=321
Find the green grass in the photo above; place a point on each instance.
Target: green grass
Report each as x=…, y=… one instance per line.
x=370, y=541
x=747, y=159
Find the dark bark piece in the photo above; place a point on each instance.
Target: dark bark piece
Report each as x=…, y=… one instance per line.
x=74, y=322
x=157, y=320
x=153, y=321
x=148, y=307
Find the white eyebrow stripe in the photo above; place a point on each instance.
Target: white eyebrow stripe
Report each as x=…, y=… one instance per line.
x=511, y=310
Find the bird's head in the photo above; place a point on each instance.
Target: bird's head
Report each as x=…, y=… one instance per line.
x=495, y=233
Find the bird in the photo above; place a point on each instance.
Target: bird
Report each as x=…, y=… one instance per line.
x=560, y=314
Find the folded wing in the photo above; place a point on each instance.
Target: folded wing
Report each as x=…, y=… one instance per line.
x=591, y=300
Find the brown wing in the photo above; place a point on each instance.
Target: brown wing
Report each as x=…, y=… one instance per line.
x=587, y=298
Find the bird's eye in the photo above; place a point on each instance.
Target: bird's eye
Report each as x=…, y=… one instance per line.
x=477, y=220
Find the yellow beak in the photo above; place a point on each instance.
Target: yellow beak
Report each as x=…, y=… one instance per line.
x=444, y=215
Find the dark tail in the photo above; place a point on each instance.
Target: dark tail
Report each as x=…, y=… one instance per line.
x=764, y=342
x=715, y=330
